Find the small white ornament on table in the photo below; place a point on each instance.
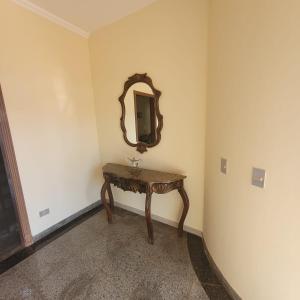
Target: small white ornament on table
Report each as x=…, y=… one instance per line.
x=134, y=161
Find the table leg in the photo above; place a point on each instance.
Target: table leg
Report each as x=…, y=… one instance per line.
x=186, y=205
x=111, y=197
x=148, y=216
x=106, y=206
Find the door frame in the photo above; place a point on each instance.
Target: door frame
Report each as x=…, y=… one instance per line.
x=152, y=113
x=11, y=167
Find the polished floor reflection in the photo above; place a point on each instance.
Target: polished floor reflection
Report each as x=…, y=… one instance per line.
x=95, y=260
x=205, y=273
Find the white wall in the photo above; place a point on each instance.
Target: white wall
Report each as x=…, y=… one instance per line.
x=46, y=82
x=253, y=121
x=168, y=40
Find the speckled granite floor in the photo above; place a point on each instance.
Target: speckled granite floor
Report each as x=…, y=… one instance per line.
x=95, y=260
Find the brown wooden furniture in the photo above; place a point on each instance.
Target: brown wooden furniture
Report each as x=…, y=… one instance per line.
x=132, y=80
x=142, y=181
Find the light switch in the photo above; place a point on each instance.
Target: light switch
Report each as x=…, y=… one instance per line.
x=224, y=165
x=258, y=177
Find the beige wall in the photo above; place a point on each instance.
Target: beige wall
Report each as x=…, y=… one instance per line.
x=253, y=120
x=46, y=82
x=168, y=40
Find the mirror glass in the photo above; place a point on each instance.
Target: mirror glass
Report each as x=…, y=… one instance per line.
x=140, y=118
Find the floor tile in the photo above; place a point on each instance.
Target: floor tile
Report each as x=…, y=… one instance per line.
x=197, y=291
x=97, y=260
x=216, y=292
x=14, y=285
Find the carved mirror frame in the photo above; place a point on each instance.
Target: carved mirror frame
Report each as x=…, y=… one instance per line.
x=136, y=78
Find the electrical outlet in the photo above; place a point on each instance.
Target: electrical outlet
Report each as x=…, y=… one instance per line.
x=224, y=165
x=44, y=212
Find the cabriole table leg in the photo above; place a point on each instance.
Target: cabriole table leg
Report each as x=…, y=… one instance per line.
x=148, y=216
x=111, y=197
x=106, y=206
x=186, y=205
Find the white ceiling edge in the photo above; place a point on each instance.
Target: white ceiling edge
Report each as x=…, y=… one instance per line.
x=51, y=17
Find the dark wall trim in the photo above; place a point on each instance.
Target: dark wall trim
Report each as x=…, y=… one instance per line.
x=233, y=294
x=77, y=219
x=11, y=167
x=62, y=223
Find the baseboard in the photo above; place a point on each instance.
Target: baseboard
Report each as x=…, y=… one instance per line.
x=233, y=294
x=158, y=218
x=62, y=223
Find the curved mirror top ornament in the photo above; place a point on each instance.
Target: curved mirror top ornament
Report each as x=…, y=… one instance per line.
x=141, y=121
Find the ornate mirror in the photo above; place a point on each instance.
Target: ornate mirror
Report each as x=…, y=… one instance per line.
x=141, y=121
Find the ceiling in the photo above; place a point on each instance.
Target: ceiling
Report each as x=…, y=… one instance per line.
x=89, y=15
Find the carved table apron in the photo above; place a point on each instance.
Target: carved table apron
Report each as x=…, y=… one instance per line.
x=142, y=181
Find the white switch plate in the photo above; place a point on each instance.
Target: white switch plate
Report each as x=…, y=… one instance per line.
x=258, y=177
x=224, y=165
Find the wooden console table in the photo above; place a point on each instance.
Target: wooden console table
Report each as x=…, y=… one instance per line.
x=142, y=181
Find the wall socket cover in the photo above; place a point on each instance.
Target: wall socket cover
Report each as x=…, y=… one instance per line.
x=44, y=212
x=223, y=165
